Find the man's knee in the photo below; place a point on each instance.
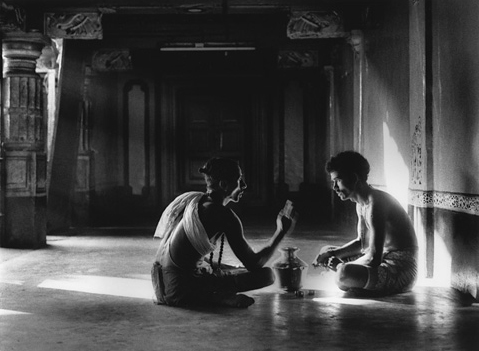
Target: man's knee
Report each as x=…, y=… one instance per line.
x=351, y=276
x=342, y=278
x=269, y=276
x=256, y=279
x=264, y=276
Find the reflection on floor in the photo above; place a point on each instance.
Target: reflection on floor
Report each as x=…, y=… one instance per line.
x=90, y=290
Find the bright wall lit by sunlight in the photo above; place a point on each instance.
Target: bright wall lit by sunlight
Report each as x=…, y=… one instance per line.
x=396, y=170
x=442, y=257
x=442, y=262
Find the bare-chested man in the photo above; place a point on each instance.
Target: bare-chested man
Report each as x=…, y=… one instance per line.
x=189, y=229
x=383, y=257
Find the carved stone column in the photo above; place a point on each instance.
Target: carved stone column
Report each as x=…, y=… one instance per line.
x=23, y=141
x=84, y=184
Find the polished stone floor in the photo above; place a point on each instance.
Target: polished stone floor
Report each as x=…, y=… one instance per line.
x=90, y=290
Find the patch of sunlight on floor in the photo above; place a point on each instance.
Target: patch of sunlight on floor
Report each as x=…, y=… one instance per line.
x=14, y=282
x=347, y=301
x=124, y=287
x=10, y=312
x=435, y=282
x=323, y=281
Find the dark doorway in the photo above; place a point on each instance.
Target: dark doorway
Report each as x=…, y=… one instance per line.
x=213, y=117
x=212, y=120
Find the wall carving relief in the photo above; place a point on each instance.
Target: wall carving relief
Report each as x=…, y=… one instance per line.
x=111, y=60
x=297, y=59
x=11, y=18
x=466, y=203
x=417, y=164
x=25, y=174
x=311, y=25
x=74, y=26
x=23, y=121
x=18, y=173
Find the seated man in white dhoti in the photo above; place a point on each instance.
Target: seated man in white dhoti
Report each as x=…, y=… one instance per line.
x=189, y=229
x=383, y=257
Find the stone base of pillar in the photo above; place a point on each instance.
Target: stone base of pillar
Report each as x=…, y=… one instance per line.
x=26, y=222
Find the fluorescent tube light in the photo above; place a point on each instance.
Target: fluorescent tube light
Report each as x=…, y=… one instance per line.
x=206, y=47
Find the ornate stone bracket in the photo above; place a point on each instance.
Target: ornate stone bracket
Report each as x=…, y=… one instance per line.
x=48, y=58
x=111, y=60
x=313, y=25
x=297, y=59
x=12, y=19
x=417, y=162
x=74, y=26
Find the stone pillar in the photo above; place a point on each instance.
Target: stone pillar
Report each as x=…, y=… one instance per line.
x=23, y=141
x=84, y=184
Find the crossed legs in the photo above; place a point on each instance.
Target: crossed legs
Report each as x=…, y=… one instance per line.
x=244, y=281
x=176, y=287
x=356, y=276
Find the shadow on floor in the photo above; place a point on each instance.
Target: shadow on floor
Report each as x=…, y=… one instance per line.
x=90, y=290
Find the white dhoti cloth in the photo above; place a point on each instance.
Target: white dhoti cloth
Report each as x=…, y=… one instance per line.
x=184, y=209
x=174, y=285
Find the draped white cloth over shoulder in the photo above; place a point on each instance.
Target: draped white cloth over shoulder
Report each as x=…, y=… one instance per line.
x=185, y=209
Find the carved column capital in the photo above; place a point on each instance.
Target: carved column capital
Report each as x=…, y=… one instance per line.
x=356, y=40
x=21, y=51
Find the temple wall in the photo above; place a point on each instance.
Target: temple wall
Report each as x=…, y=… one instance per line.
x=373, y=118
x=385, y=127
x=419, y=129
x=455, y=109
x=444, y=129
x=456, y=104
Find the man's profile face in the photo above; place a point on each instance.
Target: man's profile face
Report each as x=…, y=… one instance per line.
x=238, y=188
x=342, y=184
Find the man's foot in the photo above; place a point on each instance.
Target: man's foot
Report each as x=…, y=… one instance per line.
x=237, y=300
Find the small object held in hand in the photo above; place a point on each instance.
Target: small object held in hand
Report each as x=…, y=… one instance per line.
x=299, y=293
x=288, y=208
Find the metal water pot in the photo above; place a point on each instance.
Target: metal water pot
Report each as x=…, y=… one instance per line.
x=289, y=269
